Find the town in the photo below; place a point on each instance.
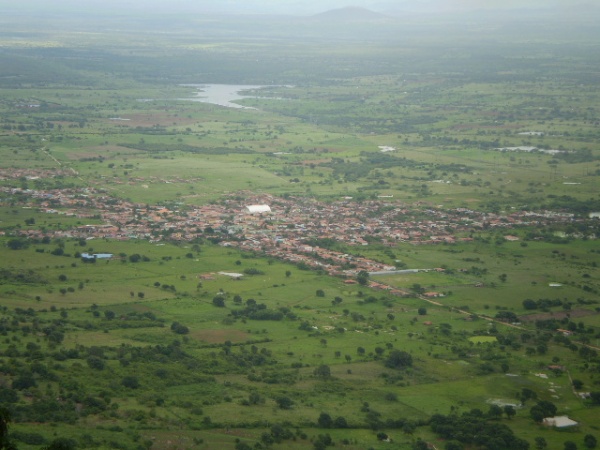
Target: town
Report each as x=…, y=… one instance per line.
x=289, y=229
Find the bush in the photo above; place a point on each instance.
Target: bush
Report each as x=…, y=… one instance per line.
x=24, y=382
x=398, y=360
x=130, y=382
x=95, y=363
x=178, y=328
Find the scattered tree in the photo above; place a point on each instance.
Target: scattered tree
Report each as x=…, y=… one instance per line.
x=363, y=278
x=284, y=402
x=325, y=420
x=590, y=441
x=130, y=382
x=323, y=371
x=219, y=301
x=398, y=359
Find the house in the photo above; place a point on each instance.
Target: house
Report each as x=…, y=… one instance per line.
x=97, y=256
x=559, y=422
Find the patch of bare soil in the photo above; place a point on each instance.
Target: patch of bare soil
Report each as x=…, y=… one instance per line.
x=220, y=336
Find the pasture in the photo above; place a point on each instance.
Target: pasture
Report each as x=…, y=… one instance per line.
x=103, y=151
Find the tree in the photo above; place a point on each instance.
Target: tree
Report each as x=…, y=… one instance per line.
x=136, y=257
x=267, y=439
x=340, y=422
x=323, y=371
x=495, y=412
x=130, y=382
x=24, y=381
x=255, y=398
x=17, y=244
x=527, y=394
x=409, y=427
x=381, y=436
x=540, y=443
x=453, y=445
x=577, y=384
x=320, y=293
x=422, y=311
x=542, y=409
x=570, y=445
x=288, y=273
x=179, y=328
x=363, y=278
x=420, y=444
x=325, y=420
x=95, y=363
x=417, y=288
x=5, y=419
x=590, y=441
x=61, y=444
x=284, y=402
x=529, y=304
x=398, y=360
x=219, y=301
x=510, y=411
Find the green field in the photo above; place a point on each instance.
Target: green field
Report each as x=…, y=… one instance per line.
x=466, y=159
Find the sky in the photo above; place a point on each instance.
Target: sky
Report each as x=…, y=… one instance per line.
x=292, y=7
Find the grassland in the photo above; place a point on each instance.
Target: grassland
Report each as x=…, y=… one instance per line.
x=164, y=351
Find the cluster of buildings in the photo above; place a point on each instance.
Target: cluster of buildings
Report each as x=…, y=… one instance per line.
x=296, y=229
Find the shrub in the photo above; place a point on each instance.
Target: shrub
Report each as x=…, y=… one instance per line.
x=130, y=382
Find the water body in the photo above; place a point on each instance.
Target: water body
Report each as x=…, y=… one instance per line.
x=222, y=94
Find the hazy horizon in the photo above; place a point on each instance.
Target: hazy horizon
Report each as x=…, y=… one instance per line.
x=284, y=7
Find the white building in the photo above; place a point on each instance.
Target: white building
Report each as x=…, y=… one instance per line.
x=258, y=209
x=559, y=422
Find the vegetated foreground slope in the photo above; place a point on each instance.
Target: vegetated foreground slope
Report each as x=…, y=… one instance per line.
x=427, y=274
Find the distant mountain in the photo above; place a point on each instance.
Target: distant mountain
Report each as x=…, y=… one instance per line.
x=349, y=14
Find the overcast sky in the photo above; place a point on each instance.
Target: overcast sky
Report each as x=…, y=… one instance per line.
x=294, y=7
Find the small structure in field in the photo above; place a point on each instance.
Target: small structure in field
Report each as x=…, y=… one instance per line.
x=235, y=276
x=559, y=422
x=97, y=256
